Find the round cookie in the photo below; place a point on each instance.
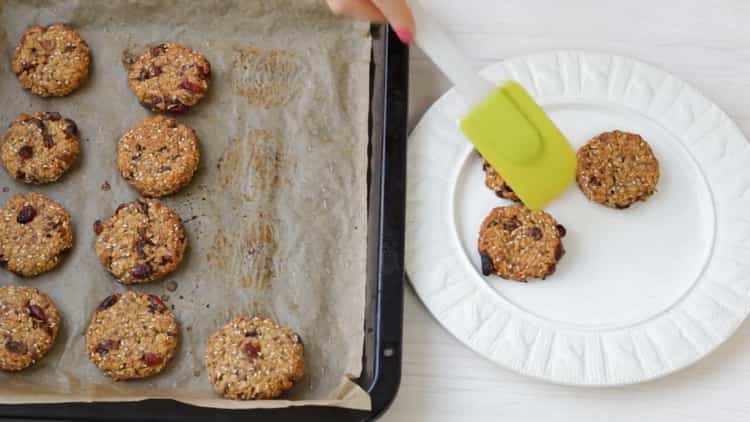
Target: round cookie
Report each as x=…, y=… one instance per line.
x=29, y=322
x=494, y=181
x=143, y=241
x=158, y=156
x=617, y=169
x=132, y=335
x=34, y=233
x=39, y=148
x=170, y=78
x=52, y=61
x=254, y=358
x=517, y=243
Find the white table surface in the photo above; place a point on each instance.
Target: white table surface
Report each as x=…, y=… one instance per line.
x=705, y=42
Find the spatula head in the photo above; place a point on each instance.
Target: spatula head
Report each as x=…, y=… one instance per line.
x=520, y=141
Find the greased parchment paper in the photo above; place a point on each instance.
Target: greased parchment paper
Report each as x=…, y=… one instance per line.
x=276, y=214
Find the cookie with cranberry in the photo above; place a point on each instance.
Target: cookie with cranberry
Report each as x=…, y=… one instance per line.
x=132, y=335
x=143, y=241
x=254, y=358
x=517, y=243
x=51, y=61
x=158, y=156
x=40, y=148
x=170, y=78
x=494, y=181
x=29, y=322
x=617, y=169
x=35, y=231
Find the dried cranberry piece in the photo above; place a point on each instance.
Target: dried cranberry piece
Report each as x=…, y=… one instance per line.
x=622, y=206
x=152, y=359
x=561, y=230
x=26, y=152
x=191, y=86
x=141, y=271
x=153, y=72
x=251, y=351
x=156, y=304
x=52, y=115
x=139, y=245
x=108, y=302
x=37, y=312
x=487, y=266
x=535, y=233
x=175, y=106
x=594, y=181
x=559, y=251
x=48, y=141
x=156, y=51
x=251, y=333
x=38, y=123
x=106, y=346
x=511, y=224
x=16, y=347
x=26, y=215
x=166, y=259
x=98, y=227
x=71, y=129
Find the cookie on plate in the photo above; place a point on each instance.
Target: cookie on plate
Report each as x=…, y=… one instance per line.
x=617, y=169
x=51, y=61
x=170, y=78
x=158, y=156
x=517, y=243
x=40, y=148
x=132, y=335
x=34, y=233
x=29, y=322
x=254, y=358
x=494, y=181
x=143, y=241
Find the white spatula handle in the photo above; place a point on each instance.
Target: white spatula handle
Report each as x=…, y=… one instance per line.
x=445, y=54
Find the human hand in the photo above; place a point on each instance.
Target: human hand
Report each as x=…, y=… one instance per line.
x=395, y=12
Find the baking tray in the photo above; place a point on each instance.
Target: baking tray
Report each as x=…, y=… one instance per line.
x=381, y=371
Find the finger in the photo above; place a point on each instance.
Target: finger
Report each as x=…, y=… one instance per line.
x=399, y=16
x=358, y=9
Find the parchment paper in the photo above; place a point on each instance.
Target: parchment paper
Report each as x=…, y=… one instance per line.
x=276, y=215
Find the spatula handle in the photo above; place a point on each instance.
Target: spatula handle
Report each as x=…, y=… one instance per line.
x=445, y=54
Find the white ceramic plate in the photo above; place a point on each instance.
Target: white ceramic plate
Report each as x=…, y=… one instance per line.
x=640, y=292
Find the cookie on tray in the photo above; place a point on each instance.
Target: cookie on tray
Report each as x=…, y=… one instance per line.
x=35, y=231
x=40, y=148
x=132, y=335
x=517, y=243
x=51, y=61
x=143, y=241
x=29, y=322
x=494, y=181
x=170, y=78
x=617, y=169
x=158, y=156
x=254, y=358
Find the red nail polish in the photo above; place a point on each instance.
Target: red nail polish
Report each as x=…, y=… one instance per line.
x=405, y=36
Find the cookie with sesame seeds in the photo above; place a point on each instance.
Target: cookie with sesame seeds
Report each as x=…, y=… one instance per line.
x=158, y=156
x=40, y=148
x=51, y=61
x=143, y=241
x=170, y=78
x=29, y=323
x=617, y=169
x=517, y=243
x=254, y=358
x=35, y=231
x=494, y=181
x=132, y=335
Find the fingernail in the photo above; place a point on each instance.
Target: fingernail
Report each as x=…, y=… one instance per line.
x=405, y=36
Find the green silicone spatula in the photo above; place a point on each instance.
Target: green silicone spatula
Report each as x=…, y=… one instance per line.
x=503, y=122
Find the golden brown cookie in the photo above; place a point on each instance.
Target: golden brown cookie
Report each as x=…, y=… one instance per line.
x=254, y=358
x=517, y=243
x=132, y=335
x=170, y=78
x=617, y=169
x=143, y=241
x=29, y=322
x=52, y=61
x=158, y=156
x=34, y=233
x=494, y=181
x=39, y=148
